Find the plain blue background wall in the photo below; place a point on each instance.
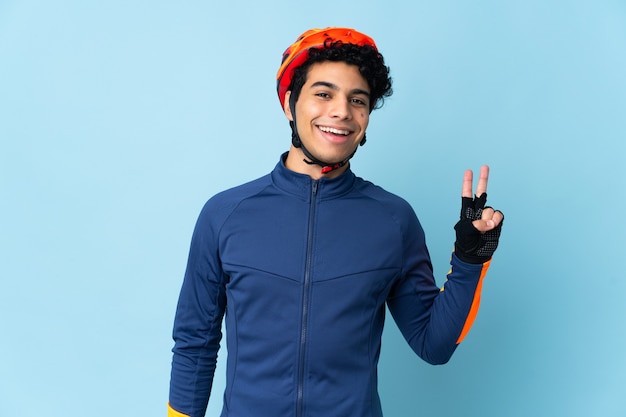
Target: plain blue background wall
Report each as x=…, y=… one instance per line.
x=118, y=119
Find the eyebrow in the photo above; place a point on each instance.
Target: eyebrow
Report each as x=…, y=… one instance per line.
x=335, y=87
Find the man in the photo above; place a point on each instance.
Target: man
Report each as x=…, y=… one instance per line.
x=303, y=260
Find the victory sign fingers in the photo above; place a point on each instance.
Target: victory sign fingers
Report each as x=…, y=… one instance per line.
x=468, y=179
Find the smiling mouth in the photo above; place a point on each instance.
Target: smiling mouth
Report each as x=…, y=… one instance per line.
x=334, y=131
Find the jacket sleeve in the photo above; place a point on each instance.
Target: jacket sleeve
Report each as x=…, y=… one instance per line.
x=198, y=321
x=434, y=320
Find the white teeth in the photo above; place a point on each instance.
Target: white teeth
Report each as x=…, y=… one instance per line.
x=333, y=130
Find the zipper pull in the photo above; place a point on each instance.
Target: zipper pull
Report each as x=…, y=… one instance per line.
x=314, y=187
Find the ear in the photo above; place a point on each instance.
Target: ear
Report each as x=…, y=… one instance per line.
x=286, y=107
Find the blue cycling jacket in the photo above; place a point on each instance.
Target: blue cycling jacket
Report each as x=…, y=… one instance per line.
x=302, y=269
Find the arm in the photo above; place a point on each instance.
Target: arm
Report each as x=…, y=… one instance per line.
x=197, y=325
x=434, y=321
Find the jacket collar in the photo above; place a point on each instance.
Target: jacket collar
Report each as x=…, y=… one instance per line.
x=301, y=185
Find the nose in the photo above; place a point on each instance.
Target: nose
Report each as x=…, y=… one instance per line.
x=341, y=109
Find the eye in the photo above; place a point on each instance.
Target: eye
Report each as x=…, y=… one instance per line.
x=358, y=101
x=322, y=95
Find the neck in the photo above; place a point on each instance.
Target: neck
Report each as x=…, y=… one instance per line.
x=295, y=162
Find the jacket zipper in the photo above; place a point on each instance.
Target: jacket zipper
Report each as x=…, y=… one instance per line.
x=305, y=299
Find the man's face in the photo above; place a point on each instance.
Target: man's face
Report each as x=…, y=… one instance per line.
x=332, y=111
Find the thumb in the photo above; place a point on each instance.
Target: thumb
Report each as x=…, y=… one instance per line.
x=484, y=225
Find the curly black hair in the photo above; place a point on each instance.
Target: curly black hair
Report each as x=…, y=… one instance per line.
x=369, y=61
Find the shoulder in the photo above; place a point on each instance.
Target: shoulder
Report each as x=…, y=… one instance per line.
x=221, y=205
x=392, y=205
x=390, y=201
x=398, y=213
x=235, y=195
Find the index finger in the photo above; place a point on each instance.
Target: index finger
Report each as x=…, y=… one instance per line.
x=481, y=188
x=468, y=177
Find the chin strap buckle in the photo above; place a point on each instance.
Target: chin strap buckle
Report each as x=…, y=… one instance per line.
x=328, y=168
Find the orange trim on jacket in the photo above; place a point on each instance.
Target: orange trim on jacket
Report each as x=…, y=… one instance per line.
x=475, y=304
x=173, y=413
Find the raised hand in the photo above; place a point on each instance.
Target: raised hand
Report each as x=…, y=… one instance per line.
x=478, y=230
